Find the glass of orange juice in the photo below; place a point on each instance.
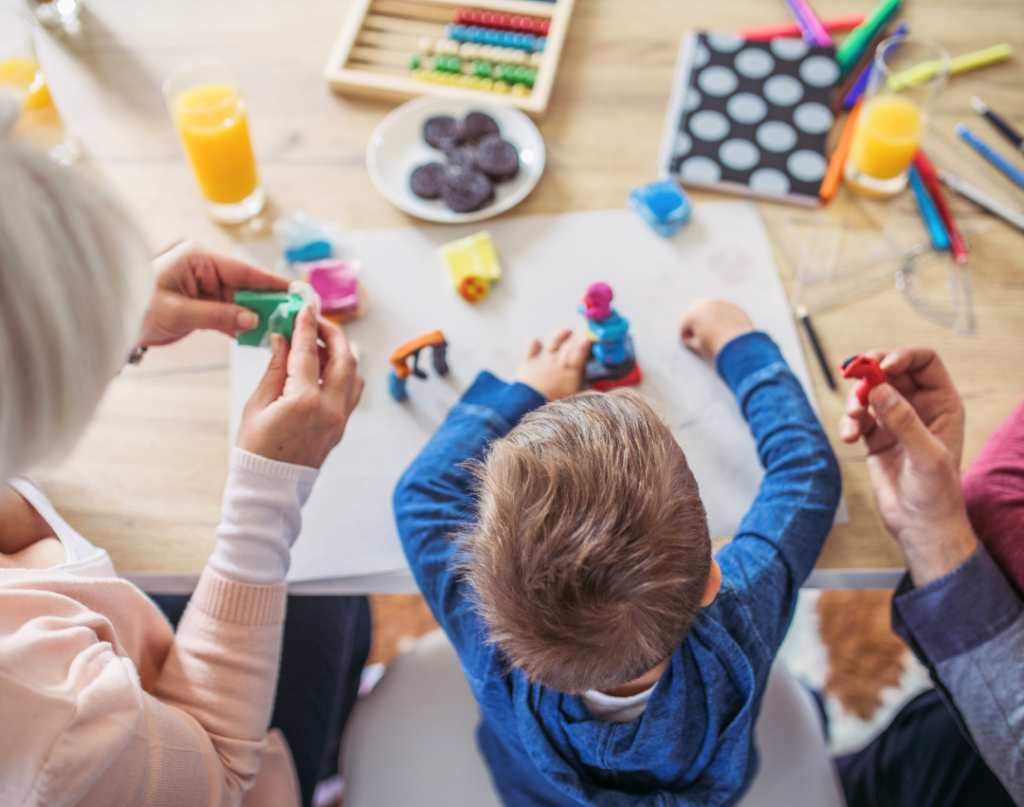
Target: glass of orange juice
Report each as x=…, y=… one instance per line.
x=39, y=122
x=907, y=76
x=209, y=114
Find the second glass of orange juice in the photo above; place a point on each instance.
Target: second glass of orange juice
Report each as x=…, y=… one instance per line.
x=209, y=114
x=20, y=75
x=907, y=76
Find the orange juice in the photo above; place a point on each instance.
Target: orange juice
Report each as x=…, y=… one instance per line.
x=888, y=133
x=214, y=130
x=37, y=108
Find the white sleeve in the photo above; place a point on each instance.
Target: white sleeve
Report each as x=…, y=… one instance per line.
x=262, y=517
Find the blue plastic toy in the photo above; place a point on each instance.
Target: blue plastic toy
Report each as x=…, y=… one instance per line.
x=661, y=204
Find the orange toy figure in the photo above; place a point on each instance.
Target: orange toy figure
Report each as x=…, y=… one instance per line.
x=868, y=371
x=400, y=370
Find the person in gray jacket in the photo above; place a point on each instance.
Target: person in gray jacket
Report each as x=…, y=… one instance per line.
x=957, y=609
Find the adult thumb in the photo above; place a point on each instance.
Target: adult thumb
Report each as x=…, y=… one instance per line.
x=901, y=420
x=271, y=386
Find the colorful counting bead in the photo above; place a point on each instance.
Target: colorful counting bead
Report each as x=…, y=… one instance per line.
x=426, y=46
x=519, y=89
x=414, y=61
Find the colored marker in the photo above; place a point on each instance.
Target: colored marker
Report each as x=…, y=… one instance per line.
x=857, y=90
x=999, y=122
x=810, y=26
x=812, y=337
x=849, y=52
x=990, y=154
x=931, y=182
x=959, y=64
x=982, y=200
x=789, y=29
x=835, y=167
x=932, y=219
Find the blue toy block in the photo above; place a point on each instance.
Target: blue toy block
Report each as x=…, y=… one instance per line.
x=307, y=253
x=663, y=205
x=397, y=387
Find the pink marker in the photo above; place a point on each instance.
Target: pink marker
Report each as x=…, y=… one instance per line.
x=813, y=31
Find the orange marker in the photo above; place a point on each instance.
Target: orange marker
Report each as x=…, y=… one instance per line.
x=835, y=167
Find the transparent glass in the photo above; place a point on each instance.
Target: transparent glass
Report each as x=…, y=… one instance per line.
x=39, y=123
x=56, y=12
x=209, y=113
x=907, y=77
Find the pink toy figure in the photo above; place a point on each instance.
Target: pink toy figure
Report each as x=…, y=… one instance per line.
x=868, y=371
x=337, y=283
x=597, y=302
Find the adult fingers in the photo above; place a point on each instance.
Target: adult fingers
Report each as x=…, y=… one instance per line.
x=303, y=358
x=902, y=422
x=272, y=384
x=557, y=339
x=184, y=314
x=231, y=273
x=533, y=348
x=340, y=367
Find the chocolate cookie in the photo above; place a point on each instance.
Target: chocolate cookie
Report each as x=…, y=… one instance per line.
x=497, y=158
x=468, y=191
x=428, y=181
x=442, y=132
x=477, y=126
x=461, y=157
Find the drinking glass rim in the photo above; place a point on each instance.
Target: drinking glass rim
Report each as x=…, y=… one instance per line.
x=27, y=26
x=941, y=56
x=207, y=62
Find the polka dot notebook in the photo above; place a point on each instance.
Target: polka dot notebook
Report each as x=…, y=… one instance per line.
x=750, y=117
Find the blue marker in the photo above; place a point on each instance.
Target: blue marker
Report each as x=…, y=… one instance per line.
x=990, y=154
x=930, y=214
x=861, y=84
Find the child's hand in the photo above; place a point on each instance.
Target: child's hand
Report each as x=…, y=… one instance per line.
x=555, y=370
x=709, y=325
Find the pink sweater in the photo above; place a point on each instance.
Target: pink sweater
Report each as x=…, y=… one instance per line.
x=101, y=703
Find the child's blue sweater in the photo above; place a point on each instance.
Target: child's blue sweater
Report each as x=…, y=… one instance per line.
x=693, y=744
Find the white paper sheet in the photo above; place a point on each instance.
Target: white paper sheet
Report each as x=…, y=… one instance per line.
x=548, y=262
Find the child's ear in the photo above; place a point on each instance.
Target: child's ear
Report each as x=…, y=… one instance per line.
x=714, y=583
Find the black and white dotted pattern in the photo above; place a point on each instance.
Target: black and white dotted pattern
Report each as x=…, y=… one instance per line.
x=756, y=114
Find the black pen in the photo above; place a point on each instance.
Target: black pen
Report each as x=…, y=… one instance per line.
x=999, y=122
x=805, y=320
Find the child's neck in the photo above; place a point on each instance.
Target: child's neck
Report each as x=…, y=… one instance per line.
x=638, y=685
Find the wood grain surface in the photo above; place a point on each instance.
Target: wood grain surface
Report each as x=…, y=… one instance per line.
x=146, y=480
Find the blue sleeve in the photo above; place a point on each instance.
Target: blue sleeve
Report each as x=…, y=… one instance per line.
x=779, y=540
x=968, y=628
x=433, y=503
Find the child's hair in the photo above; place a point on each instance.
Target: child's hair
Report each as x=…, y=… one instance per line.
x=591, y=553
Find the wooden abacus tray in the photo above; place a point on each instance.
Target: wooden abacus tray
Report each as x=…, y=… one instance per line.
x=374, y=55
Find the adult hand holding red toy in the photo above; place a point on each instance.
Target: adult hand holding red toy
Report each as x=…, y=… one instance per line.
x=914, y=435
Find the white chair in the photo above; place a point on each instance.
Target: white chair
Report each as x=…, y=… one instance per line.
x=412, y=741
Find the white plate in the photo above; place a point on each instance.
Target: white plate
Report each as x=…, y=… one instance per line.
x=397, y=147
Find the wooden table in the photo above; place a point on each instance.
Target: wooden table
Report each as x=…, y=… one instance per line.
x=146, y=480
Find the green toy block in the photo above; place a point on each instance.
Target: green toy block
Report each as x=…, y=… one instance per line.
x=277, y=311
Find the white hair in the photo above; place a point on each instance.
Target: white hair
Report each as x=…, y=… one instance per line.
x=75, y=274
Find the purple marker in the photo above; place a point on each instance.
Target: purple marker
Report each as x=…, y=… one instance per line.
x=857, y=90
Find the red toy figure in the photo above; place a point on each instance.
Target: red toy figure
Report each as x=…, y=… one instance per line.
x=868, y=371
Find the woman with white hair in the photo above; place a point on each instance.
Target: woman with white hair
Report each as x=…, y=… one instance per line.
x=102, y=702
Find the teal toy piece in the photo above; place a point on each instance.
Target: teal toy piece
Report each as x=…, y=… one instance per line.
x=663, y=205
x=277, y=311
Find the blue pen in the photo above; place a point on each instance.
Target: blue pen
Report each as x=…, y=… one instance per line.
x=990, y=154
x=861, y=84
x=930, y=214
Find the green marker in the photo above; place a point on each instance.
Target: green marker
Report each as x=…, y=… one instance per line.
x=277, y=311
x=853, y=46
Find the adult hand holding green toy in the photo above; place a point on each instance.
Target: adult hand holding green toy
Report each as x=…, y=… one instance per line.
x=195, y=289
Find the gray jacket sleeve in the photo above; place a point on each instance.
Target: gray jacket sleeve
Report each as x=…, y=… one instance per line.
x=968, y=628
